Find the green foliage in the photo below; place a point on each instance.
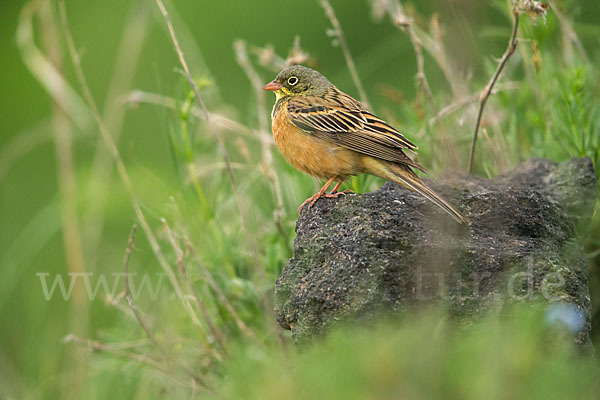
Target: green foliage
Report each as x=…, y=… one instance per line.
x=576, y=114
x=426, y=356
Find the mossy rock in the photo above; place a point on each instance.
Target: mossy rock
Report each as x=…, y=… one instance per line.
x=362, y=255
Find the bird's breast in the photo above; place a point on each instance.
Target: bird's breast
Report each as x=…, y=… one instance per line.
x=309, y=154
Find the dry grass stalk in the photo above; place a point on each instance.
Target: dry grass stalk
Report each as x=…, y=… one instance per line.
x=221, y=145
x=136, y=97
x=267, y=156
x=118, y=351
x=267, y=58
x=130, y=302
x=246, y=331
x=452, y=108
x=46, y=73
x=123, y=174
x=128, y=55
x=339, y=35
x=569, y=35
x=533, y=9
x=167, y=357
x=406, y=23
x=485, y=94
x=67, y=183
x=180, y=254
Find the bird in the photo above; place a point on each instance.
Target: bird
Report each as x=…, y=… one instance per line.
x=326, y=133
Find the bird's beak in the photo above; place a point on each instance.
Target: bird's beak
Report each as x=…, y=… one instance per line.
x=273, y=86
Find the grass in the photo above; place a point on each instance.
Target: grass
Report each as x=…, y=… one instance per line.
x=218, y=226
x=424, y=356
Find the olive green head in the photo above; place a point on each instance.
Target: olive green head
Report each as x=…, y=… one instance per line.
x=298, y=80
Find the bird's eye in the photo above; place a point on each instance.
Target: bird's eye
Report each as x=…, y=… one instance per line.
x=292, y=80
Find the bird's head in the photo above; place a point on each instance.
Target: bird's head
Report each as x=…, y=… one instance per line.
x=298, y=80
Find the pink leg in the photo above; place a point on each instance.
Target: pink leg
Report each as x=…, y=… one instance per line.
x=335, y=189
x=313, y=199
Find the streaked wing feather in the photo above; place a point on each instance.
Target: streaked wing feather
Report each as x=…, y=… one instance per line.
x=338, y=118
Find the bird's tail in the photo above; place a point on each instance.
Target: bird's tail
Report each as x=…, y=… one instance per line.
x=404, y=176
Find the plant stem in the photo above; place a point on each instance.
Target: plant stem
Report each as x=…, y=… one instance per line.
x=339, y=34
x=485, y=94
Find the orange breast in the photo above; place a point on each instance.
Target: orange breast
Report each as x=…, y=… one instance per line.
x=311, y=155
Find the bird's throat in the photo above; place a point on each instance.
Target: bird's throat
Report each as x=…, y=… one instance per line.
x=283, y=92
x=281, y=98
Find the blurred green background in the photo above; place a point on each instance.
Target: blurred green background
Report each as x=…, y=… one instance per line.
x=125, y=46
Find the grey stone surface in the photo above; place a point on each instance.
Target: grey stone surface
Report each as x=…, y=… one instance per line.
x=362, y=255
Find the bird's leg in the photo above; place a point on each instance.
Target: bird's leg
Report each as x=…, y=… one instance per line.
x=313, y=199
x=335, y=190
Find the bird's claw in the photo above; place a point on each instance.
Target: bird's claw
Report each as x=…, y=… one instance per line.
x=344, y=192
x=313, y=199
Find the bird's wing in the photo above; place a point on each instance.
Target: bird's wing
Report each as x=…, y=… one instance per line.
x=338, y=118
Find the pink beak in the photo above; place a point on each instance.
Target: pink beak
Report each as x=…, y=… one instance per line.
x=273, y=86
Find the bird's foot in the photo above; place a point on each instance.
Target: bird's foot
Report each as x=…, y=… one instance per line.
x=313, y=199
x=335, y=193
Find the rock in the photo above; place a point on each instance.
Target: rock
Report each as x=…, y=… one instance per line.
x=360, y=255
